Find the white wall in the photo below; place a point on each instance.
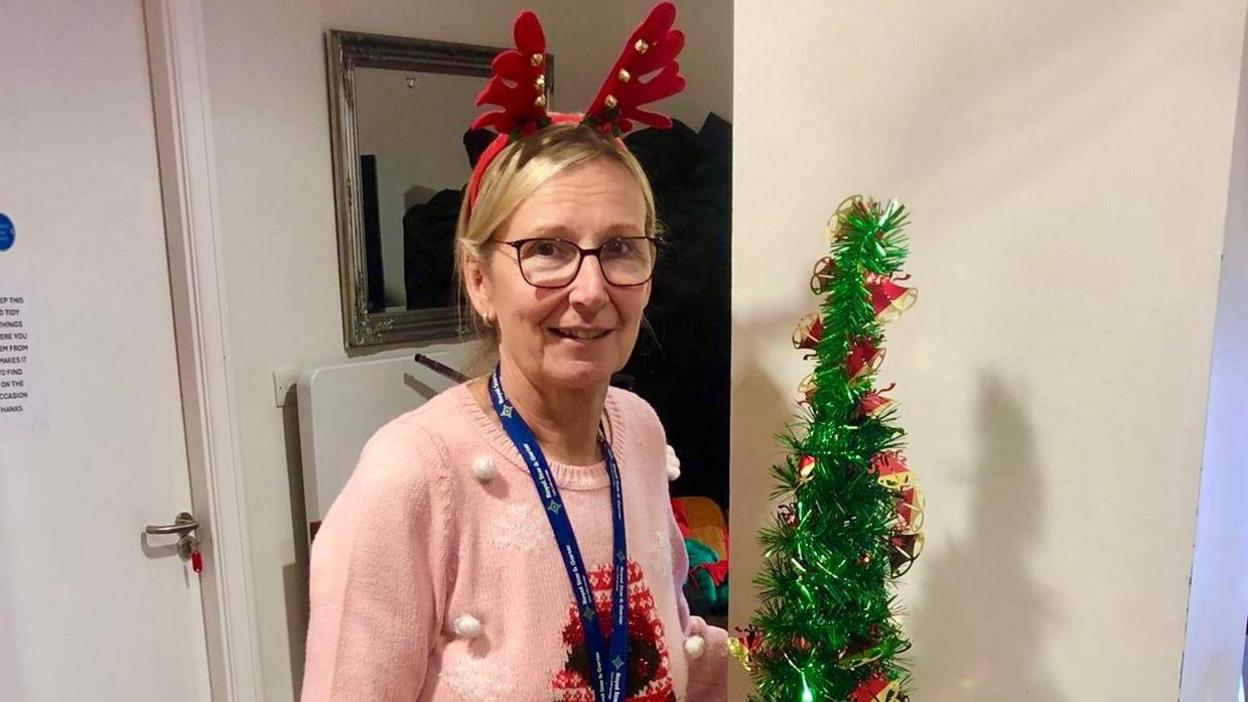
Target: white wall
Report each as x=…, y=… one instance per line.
x=266, y=66
x=1066, y=164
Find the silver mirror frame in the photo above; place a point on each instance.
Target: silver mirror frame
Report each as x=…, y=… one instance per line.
x=345, y=51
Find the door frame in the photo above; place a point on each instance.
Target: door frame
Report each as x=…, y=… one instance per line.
x=178, y=65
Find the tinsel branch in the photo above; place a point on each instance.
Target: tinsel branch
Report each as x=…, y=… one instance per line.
x=826, y=625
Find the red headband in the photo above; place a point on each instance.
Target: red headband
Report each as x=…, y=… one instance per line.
x=518, y=85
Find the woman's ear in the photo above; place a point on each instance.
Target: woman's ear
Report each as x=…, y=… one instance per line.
x=477, y=280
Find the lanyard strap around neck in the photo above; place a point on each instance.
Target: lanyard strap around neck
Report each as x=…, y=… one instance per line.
x=608, y=659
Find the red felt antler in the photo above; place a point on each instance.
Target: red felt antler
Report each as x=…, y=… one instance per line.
x=653, y=46
x=518, y=85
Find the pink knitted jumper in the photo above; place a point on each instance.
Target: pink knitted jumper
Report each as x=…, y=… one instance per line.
x=435, y=575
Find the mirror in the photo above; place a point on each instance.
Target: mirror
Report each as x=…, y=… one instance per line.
x=401, y=155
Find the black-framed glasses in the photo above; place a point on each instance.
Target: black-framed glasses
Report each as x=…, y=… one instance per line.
x=626, y=261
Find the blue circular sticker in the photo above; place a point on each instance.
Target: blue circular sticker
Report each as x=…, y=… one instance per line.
x=7, y=235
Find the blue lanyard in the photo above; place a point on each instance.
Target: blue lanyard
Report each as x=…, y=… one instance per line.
x=608, y=662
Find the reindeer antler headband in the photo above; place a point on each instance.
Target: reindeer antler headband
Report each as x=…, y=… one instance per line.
x=518, y=85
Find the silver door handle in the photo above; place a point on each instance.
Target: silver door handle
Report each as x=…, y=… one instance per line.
x=184, y=523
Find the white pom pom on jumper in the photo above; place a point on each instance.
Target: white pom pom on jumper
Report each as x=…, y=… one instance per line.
x=466, y=626
x=484, y=468
x=673, y=464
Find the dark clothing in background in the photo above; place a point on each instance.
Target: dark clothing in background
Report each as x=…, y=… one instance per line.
x=429, y=238
x=429, y=251
x=685, y=373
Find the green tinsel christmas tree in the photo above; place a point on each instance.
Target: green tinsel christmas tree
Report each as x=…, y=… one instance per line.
x=850, y=516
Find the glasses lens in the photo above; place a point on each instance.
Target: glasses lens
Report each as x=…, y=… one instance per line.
x=628, y=261
x=548, y=262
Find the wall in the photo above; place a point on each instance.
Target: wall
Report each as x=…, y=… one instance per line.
x=1066, y=165
x=266, y=69
x=1218, y=603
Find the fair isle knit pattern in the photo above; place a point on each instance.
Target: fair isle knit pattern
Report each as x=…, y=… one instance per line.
x=648, y=678
x=418, y=541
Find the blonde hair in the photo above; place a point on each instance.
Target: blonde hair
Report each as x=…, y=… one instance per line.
x=514, y=174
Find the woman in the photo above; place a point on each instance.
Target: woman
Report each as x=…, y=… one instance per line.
x=512, y=539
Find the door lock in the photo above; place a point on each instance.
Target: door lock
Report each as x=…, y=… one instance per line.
x=184, y=525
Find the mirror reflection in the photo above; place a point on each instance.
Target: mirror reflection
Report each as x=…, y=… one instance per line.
x=412, y=170
x=399, y=110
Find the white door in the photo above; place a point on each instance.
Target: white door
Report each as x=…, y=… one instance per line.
x=90, y=609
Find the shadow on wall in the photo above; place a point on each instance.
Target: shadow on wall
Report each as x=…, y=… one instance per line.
x=754, y=450
x=295, y=575
x=983, y=610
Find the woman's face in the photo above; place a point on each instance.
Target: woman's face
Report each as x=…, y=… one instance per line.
x=576, y=336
